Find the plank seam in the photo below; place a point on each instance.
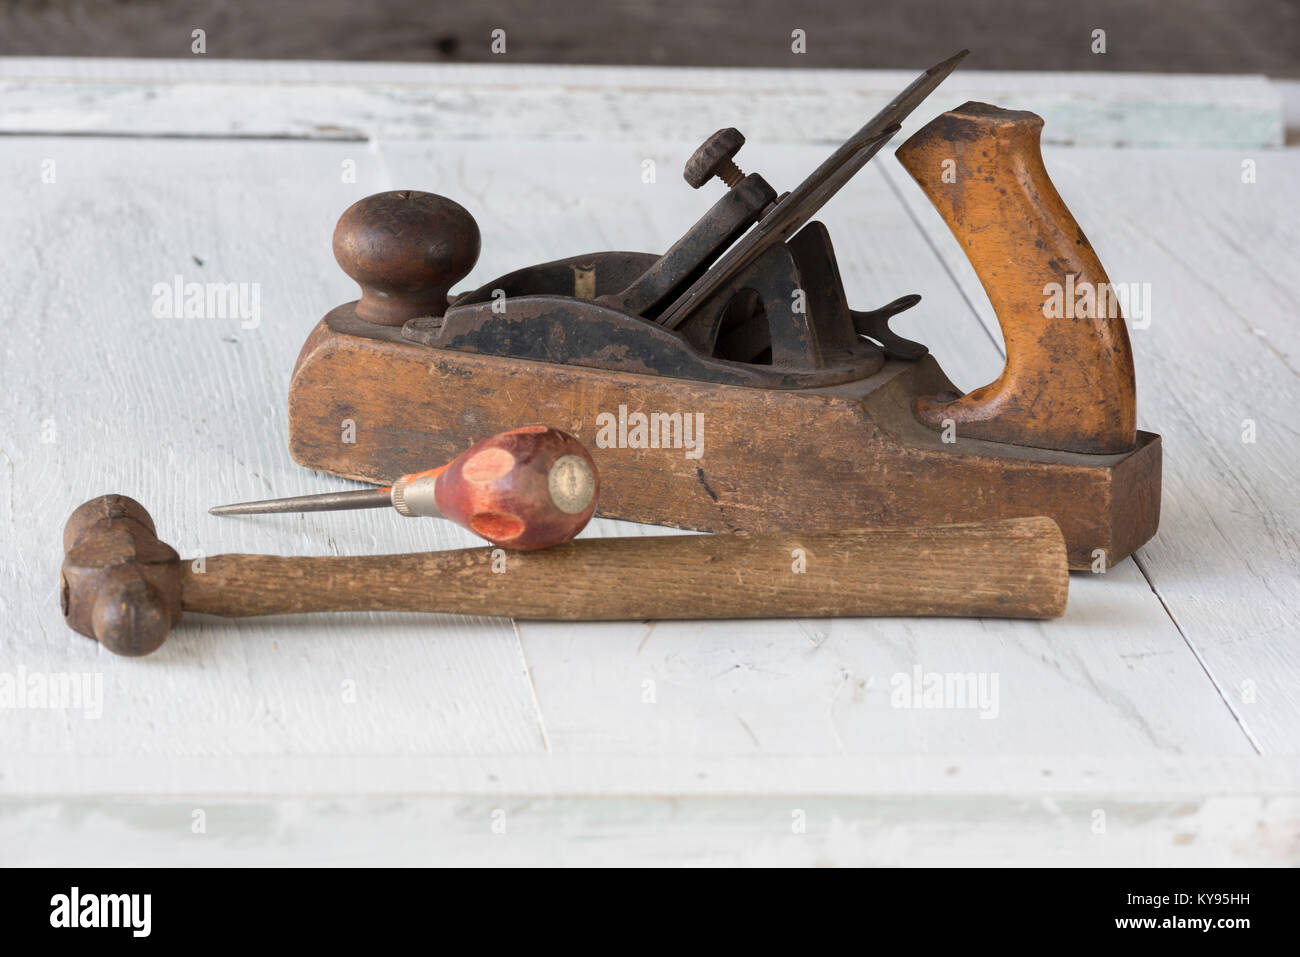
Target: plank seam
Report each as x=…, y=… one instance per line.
x=1236, y=716
x=532, y=687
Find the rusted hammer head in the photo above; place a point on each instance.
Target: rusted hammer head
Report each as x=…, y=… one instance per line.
x=119, y=584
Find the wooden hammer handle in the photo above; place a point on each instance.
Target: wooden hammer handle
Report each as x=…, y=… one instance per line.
x=1014, y=568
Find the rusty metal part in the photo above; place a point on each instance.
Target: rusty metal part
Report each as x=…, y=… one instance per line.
x=118, y=582
x=875, y=326
x=559, y=330
x=325, y=502
x=698, y=249
x=749, y=295
x=714, y=158
x=804, y=200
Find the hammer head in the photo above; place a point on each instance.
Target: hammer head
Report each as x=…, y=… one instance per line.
x=119, y=584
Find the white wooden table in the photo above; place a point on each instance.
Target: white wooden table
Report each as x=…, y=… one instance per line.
x=1156, y=723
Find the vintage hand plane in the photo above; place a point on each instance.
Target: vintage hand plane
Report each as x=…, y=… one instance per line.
x=814, y=415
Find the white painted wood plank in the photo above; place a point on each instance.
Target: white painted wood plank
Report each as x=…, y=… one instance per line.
x=186, y=413
x=1113, y=675
x=571, y=774
x=753, y=831
x=199, y=97
x=1221, y=349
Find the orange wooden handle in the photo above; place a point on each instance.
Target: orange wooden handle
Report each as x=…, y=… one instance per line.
x=1068, y=382
x=524, y=489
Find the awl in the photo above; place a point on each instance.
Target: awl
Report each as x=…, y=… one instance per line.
x=524, y=489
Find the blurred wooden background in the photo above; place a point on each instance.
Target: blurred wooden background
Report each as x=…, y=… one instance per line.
x=1194, y=36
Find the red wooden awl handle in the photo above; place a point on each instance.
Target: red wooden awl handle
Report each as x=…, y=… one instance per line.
x=524, y=489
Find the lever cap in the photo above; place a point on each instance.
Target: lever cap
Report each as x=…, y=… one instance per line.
x=406, y=249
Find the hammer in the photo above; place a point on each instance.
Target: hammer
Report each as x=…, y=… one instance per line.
x=124, y=587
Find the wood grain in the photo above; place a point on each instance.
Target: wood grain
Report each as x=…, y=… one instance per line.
x=1008, y=569
x=812, y=459
x=1199, y=36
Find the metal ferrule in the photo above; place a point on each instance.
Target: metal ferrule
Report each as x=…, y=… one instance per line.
x=413, y=496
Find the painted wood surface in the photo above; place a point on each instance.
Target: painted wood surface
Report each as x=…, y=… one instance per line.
x=897, y=831
x=359, y=101
x=1146, y=670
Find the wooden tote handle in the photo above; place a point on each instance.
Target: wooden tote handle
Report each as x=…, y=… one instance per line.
x=1014, y=568
x=1068, y=382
